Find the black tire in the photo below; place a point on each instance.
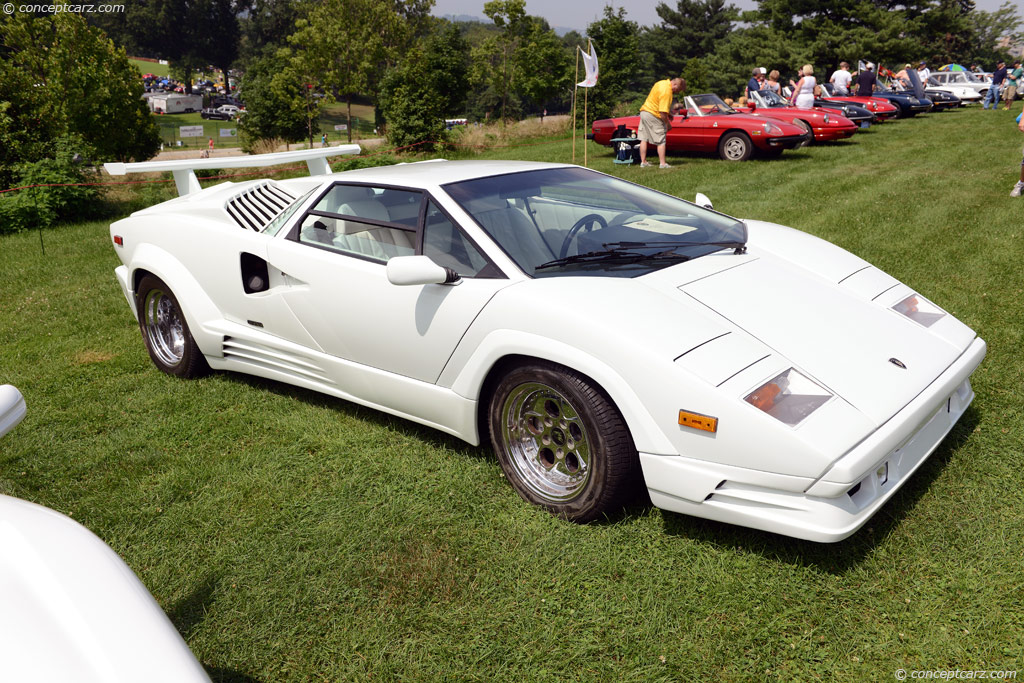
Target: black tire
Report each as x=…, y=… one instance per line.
x=735, y=146
x=562, y=443
x=165, y=331
x=807, y=130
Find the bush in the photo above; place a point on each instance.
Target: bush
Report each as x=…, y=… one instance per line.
x=58, y=197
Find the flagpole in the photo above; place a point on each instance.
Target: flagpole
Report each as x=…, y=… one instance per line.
x=574, y=89
x=585, y=119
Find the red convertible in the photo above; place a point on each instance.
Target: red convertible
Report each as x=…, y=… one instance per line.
x=710, y=125
x=881, y=107
x=827, y=125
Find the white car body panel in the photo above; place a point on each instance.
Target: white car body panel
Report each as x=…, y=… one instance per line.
x=72, y=609
x=696, y=336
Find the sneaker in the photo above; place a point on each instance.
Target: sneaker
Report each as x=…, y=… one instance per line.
x=644, y=164
x=665, y=166
x=1015, y=192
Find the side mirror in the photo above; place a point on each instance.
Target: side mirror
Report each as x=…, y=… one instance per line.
x=12, y=408
x=419, y=270
x=702, y=200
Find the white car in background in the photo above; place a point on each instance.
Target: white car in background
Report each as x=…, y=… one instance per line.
x=963, y=79
x=599, y=334
x=72, y=609
x=966, y=94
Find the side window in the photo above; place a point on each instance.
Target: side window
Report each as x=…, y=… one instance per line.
x=447, y=246
x=351, y=219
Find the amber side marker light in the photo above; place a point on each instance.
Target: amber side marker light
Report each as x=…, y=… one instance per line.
x=705, y=423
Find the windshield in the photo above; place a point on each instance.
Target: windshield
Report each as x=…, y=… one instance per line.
x=574, y=221
x=707, y=105
x=769, y=98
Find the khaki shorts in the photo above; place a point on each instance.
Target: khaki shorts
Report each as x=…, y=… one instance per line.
x=1011, y=92
x=652, y=128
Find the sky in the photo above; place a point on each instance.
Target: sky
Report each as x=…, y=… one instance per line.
x=577, y=14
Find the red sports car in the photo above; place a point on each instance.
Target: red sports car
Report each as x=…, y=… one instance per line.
x=710, y=125
x=826, y=125
x=881, y=107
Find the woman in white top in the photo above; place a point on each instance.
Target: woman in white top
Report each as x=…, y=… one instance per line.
x=803, y=93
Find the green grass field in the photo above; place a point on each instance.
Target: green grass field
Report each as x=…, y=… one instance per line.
x=295, y=537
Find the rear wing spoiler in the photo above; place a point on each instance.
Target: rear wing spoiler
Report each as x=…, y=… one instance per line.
x=184, y=169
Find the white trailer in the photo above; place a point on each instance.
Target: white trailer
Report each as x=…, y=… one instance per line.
x=175, y=103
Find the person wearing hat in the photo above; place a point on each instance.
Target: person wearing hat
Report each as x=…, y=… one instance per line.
x=866, y=81
x=923, y=72
x=902, y=76
x=998, y=76
x=1013, y=84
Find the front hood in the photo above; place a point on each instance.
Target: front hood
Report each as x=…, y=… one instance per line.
x=838, y=337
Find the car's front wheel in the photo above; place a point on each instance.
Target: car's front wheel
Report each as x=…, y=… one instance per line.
x=735, y=146
x=561, y=442
x=165, y=330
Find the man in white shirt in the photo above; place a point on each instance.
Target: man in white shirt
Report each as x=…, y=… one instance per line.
x=923, y=72
x=841, y=79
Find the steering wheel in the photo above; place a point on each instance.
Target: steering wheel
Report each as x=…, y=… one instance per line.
x=587, y=221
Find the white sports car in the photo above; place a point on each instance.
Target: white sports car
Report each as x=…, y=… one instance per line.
x=600, y=334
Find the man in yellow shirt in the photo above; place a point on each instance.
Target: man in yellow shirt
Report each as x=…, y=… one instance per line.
x=655, y=119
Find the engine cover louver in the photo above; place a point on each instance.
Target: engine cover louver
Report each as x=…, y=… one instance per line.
x=258, y=205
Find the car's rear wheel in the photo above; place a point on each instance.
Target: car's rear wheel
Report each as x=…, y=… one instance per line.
x=735, y=146
x=561, y=442
x=165, y=330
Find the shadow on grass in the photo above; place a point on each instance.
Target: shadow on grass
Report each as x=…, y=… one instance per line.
x=833, y=558
x=189, y=612
x=377, y=418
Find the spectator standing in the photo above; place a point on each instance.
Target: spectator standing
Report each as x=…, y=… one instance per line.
x=211, y=144
x=841, y=79
x=1015, y=192
x=656, y=119
x=323, y=139
x=902, y=76
x=866, y=81
x=803, y=91
x=923, y=72
x=998, y=76
x=754, y=84
x=1013, y=84
x=773, y=82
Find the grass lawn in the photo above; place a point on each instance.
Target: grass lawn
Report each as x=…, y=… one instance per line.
x=155, y=68
x=294, y=537
x=170, y=134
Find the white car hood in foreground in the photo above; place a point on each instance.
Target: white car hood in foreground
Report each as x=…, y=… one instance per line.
x=839, y=337
x=73, y=611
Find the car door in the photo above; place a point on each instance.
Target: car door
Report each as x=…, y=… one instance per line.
x=333, y=266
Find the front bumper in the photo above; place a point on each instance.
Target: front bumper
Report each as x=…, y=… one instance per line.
x=846, y=496
x=790, y=141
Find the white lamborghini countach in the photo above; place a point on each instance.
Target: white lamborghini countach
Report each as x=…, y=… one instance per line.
x=602, y=336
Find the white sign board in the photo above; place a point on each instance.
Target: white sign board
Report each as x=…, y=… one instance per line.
x=190, y=131
x=228, y=132
x=341, y=126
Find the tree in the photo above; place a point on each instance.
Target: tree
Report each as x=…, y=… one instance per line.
x=617, y=42
x=693, y=29
x=446, y=62
x=522, y=59
x=988, y=30
x=411, y=103
x=65, y=78
x=275, y=100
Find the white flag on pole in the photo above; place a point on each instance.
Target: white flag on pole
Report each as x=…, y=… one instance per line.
x=590, y=62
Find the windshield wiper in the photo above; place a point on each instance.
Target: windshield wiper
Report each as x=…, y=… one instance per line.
x=627, y=251
x=738, y=246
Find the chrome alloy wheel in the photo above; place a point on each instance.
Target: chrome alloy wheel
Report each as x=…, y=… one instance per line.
x=546, y=440
x=165, y=329
x=735, y=148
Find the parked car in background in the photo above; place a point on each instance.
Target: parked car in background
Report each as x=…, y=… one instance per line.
x=966, y=94
x=707, y=124
x=881, y=108
x=962, y=79
x=824, y=124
